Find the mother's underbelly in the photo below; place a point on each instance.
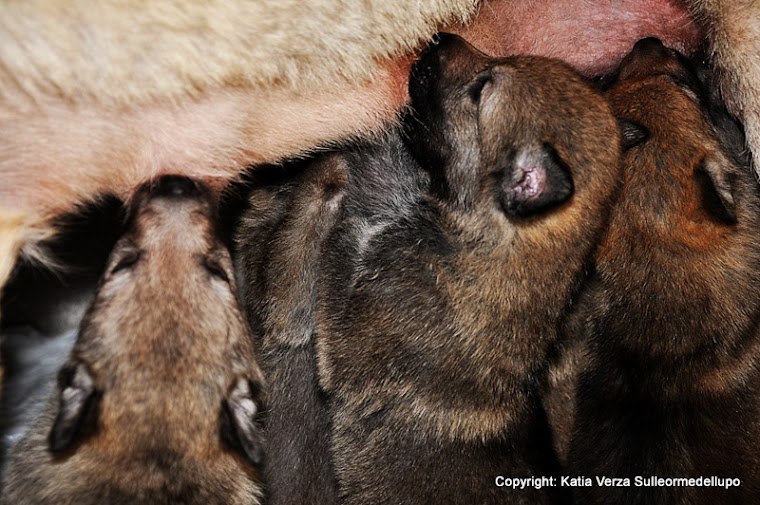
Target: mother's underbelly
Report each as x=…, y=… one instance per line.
x=56, y=154
x=591, y=35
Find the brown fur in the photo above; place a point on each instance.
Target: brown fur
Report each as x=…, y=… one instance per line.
x=434, y=341
x=734, y=36
x=100, y=98
x=559, y=398
x=281, y=244
x=672, y=384
x=112, y=95
x=155, y=403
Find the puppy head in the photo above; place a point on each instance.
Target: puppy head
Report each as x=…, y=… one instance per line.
x=164, y=363
x=523, y=135
x=687, y=174
x=685, y=230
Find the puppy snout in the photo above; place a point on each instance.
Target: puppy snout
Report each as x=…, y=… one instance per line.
x=650, y=57
x=175, y=186
x=171, y=188
x=443, y=42
x=446, y=64
x=447, y=49
x=650, y=46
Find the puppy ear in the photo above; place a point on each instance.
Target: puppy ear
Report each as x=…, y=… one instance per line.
x=632, y=134
x=239, y=427
x=78, y=401
x=535, y=181
x=716, y=187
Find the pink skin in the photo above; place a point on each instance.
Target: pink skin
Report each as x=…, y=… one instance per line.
x=591, y=35
x=532, y=183
x=53, y=154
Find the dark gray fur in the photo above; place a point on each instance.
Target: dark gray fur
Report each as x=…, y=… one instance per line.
x=280, y=244
x=435, y=324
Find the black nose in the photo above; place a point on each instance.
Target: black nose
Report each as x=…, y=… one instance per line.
x=175, y=186
x=446, y=62
x=649, y=43
x=651, y=47
x=441, y=48
x=445, y=39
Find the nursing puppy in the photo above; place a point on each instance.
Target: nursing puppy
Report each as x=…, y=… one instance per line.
x=433, y=343
x=734, y=42
x=98, y=98
x=672, y=384
x=158, y=400
x=279, y=243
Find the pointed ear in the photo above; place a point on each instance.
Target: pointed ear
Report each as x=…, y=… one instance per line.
x=632, y=134
x=716, y=186
x=239, y=427
x=535, y=181
x=78, y=403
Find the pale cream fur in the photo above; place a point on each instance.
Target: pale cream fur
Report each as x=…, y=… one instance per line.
x=99, y=96
x=18, y=229
x=735, y=43
x=132, y=51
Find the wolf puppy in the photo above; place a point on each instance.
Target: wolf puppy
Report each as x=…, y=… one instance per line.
x=279, y=243
x=158, y=400
x=672, y=387
x=434, y=345
x=99, y=97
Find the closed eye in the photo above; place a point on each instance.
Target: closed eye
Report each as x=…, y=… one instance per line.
x=127, y=261
x=215, y=269
x=476, y=88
